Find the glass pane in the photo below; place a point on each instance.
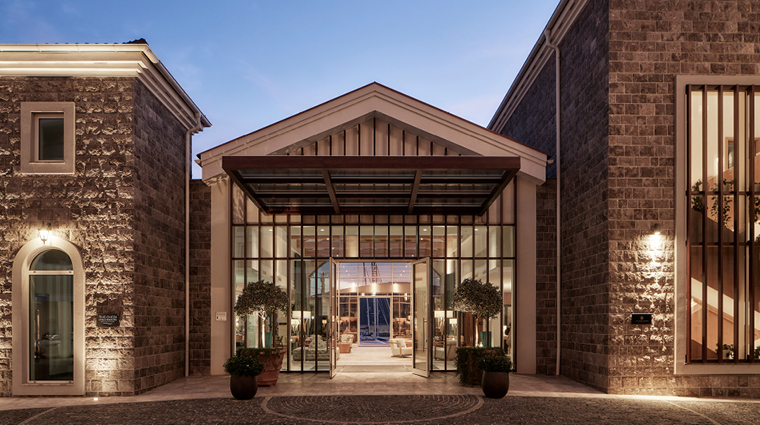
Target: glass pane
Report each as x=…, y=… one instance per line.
x=323, y=241
x=466, y=269
x=322, y=291
x=440, y=317
x=267, y=241
x=238, y=242
x=396, y=241
x=410, y=241
x=507, y=274
x=51, y=260
x=281, y=241
x=481, y=270
x=238, y=279
x=252, y=243
x=480, y=241
x=494, y=241
x=309, y=242
x=51, y=139
x=381, y=241
x=425, y=242
x=508, y=240
x=695, y=144
x=296, y=246
x=494, y=324
x=366, y=239
x=696, y=303
x=420, y=316
x=51, y=307
x=439, y=241
x=452, y=241
x=337, y=241
x=466, y=241
x=352, y=241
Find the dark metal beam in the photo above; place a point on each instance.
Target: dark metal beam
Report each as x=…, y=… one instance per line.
x=331, y=191
x=415, y=189
x=250, y=193
x=508, y=176
x=366, y=163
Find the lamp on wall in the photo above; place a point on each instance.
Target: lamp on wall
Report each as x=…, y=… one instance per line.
x=656, y=228
x=44, y=235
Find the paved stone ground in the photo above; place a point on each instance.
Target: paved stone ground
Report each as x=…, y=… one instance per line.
x=460, y=409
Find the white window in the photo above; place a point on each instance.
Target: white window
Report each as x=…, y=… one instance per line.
x=47, y=137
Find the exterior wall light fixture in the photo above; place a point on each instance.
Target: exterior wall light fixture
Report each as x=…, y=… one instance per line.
x=656, y=228
x=44, y=235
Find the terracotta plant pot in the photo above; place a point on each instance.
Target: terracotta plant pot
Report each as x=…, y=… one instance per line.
x=272, y=367
x=244, y=387
x=495, y=384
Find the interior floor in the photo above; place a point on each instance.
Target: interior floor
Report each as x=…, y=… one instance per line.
x=368, y=355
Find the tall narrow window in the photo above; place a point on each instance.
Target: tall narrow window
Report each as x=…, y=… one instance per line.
x=723, y=222
x=50, y=144
x=51, y=321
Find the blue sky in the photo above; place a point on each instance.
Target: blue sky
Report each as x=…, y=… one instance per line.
x=248, y=64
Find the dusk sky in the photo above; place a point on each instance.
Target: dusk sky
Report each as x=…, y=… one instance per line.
x=248, y=64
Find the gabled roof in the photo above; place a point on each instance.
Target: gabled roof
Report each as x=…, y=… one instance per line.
x=376, y=100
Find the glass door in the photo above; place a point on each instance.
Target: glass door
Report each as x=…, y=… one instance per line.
x=332, y=329
x=422, y=329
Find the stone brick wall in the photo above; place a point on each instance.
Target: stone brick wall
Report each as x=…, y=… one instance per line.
x=92, y=209
x=200, y=278
x=546, y=278
x=651, y=42
x=159, y=245
x=532, y=122
x=584, y=162
x=584, y=128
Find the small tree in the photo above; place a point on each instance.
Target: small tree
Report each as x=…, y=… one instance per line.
x=262, y=298
x=483, y=300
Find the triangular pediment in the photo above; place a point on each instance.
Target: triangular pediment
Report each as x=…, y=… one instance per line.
x=375, y=121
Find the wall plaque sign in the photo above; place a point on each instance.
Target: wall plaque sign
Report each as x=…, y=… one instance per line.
x=641, y=319
x=108, y=320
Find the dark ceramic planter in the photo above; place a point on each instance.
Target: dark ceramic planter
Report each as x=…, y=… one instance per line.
x=244, y=387
x=495, y=384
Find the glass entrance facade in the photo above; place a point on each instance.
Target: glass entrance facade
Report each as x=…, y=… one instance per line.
x=293, y=251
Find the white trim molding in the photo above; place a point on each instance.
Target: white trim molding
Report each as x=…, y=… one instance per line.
x=102, y=60
x=376, y=100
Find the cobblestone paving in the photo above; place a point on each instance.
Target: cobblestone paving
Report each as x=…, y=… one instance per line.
x=468, y=410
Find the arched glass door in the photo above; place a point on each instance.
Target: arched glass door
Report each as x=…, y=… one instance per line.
x=51, y=317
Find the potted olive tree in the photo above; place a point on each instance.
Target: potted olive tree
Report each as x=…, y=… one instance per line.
x=495, y=370
x=264, y=299
x=484, y=301
x=244, y=372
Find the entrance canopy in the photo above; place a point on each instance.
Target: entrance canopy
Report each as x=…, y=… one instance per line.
x=372, y=184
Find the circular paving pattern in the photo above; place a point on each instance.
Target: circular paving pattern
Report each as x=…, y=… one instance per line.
x=372, y=409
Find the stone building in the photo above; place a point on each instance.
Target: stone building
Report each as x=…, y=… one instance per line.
x=614, y=205
x=95, y=156
x=646, y=106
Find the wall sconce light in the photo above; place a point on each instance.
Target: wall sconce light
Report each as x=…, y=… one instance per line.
x=656, y=228
x=44, y=235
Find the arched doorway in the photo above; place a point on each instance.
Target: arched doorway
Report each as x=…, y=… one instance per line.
x=48, y=319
